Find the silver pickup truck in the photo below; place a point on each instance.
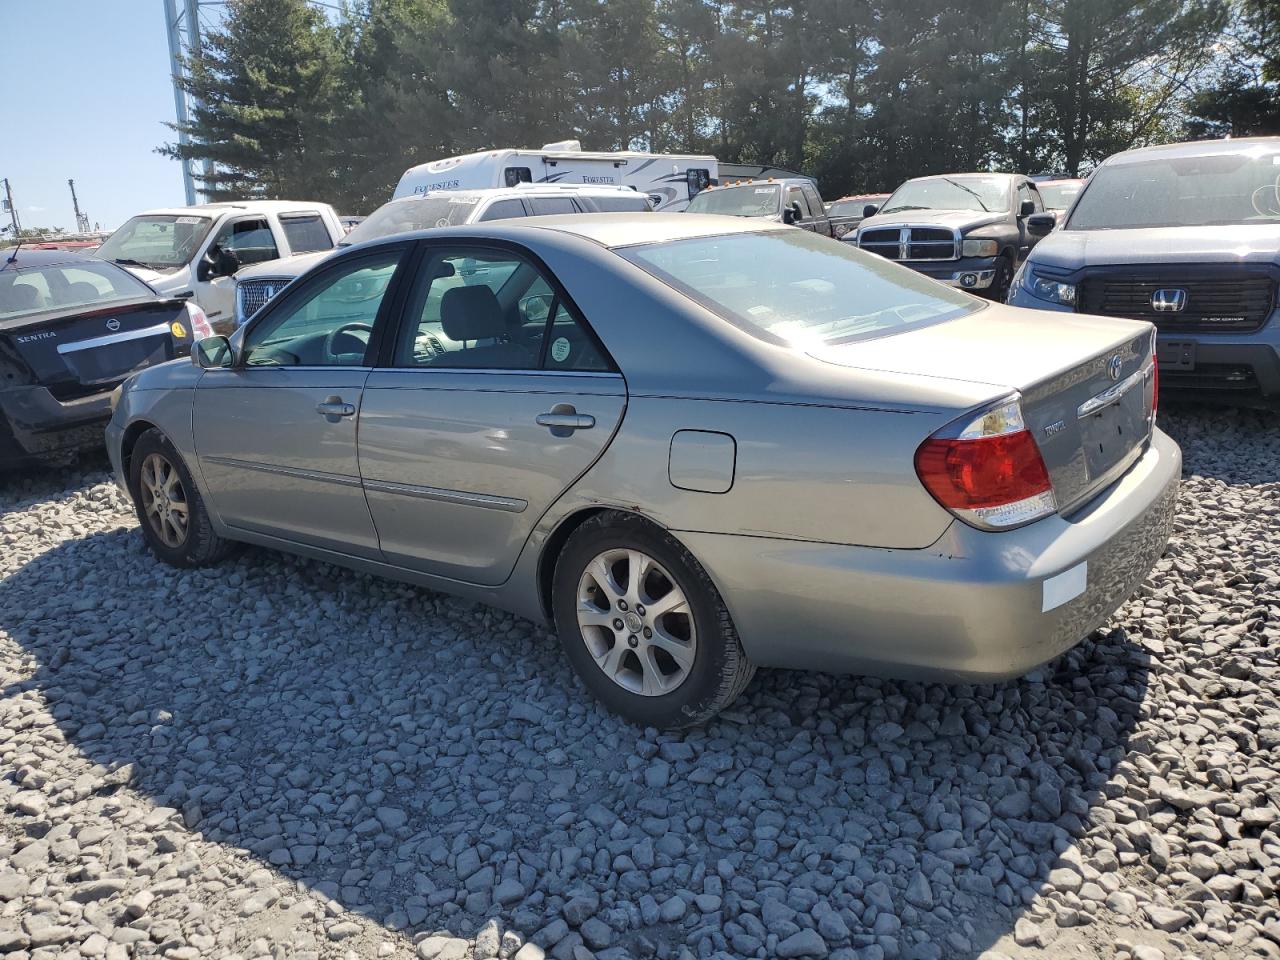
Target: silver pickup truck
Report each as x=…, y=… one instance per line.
x=1188, y=237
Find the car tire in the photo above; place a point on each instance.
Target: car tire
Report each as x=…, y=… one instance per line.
x=1003, y=279
x=630, y=670
x=174, y=520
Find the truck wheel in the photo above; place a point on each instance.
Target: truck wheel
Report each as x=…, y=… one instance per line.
x=172, y=513
x=1000, y=283
x=643, y=625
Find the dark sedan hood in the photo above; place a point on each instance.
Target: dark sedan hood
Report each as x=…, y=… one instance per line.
x=1238, y=243
x=953, y=219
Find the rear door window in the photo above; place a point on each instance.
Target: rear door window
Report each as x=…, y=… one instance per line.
x=306, y=233
x=503, y=210
x=623, y=203
x=544, y=206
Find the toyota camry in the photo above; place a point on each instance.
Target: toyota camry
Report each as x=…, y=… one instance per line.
x=692, y=445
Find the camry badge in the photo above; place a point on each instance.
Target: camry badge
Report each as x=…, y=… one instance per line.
x=1169, y=300
x=113, y=324
x=1113, y=367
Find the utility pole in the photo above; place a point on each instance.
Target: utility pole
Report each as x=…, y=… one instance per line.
x=82, y=219
x=182, y=25
x=13, y=210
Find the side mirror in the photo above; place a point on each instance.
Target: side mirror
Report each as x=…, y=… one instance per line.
x=1040, y=224
x=870, y=210
x=1026, y=208
x=535, y=309
x=791, y=212
x=212, y=353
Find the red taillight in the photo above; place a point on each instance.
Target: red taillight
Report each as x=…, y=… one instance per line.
x=988, y=471
x=200, y=327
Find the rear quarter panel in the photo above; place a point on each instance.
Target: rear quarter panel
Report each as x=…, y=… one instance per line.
x=828, y=474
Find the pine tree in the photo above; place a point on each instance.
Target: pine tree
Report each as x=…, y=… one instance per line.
x=266, y=90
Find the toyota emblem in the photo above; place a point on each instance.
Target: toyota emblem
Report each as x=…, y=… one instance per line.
x=1113, y=367
x=113, y=324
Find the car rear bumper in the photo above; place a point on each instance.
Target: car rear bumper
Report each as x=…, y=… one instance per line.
x=974, y=607
x=34, y=423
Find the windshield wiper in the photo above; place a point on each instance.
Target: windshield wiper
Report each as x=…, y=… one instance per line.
x=968, y=190
x=126, y=262
x=902, y=209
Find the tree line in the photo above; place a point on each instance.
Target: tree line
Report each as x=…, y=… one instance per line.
x=860, y=94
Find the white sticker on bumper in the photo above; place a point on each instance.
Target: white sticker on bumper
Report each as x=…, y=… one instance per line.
x=1065, y=586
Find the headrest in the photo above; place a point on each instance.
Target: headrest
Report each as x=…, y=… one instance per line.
x=471, y=313
x=82, y=291
x=19, y=296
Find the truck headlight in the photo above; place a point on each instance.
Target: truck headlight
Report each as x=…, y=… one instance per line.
x=979, y=248
x=1048, y=289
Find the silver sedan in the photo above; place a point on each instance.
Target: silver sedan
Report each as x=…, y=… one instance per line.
x=693, y=445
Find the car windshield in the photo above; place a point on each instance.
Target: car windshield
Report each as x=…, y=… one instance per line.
x=989, y=194
x=750, y=200
x=420, y=212
x=1213, y=189
x=814, y=292
x=65, y=285
x=848, y=208
x=159, y=241
x=1058, y=196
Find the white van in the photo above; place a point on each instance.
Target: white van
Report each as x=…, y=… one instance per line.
x=194, y=251
x=669, y=179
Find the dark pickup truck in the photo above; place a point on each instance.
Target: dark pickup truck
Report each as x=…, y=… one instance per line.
x=969, y=230
x=794, y=201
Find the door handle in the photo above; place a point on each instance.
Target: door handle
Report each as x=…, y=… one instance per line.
x=563, y=419
x=335, y=407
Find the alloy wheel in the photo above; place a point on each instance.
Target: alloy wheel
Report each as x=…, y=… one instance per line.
x=164, y=500
x=636, y=622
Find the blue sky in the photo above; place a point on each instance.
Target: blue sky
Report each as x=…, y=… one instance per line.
x=86, y=96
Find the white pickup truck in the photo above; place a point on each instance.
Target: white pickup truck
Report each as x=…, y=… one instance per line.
x=195, y=251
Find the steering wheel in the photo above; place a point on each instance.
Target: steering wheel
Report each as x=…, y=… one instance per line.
x=346, y=329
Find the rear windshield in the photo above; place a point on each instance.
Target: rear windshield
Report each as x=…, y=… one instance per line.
x=813, y=293
x=747, y=201
x=58, y=286
x=421, y=212
x=162, y=242
x=1214, y=189
x=1058, y=196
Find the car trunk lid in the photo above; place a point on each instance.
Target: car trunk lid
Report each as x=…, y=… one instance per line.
x=76, y=352
x=1085, y=382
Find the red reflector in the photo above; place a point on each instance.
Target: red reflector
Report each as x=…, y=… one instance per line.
x=1155, y=384
x=986, y=472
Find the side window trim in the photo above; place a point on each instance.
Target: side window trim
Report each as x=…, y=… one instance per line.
x=389, y=335
x=391, y=301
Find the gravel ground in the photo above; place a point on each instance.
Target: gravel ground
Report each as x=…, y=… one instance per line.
x=276, y=758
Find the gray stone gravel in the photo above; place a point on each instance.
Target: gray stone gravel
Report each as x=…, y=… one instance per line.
x=277, y=758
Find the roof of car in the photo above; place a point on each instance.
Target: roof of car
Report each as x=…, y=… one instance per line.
x=609, y=229
x=32, y=257
x=1197, y=148
x=215, y=209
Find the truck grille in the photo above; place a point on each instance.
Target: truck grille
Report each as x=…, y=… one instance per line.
x=252, y=295
x=910, y=243
x=1235, y=301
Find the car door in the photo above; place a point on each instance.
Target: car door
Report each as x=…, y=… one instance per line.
x=493, y=398
x=817, y=210
x=276, y=434
x=239, y=242
x=1026, y=191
